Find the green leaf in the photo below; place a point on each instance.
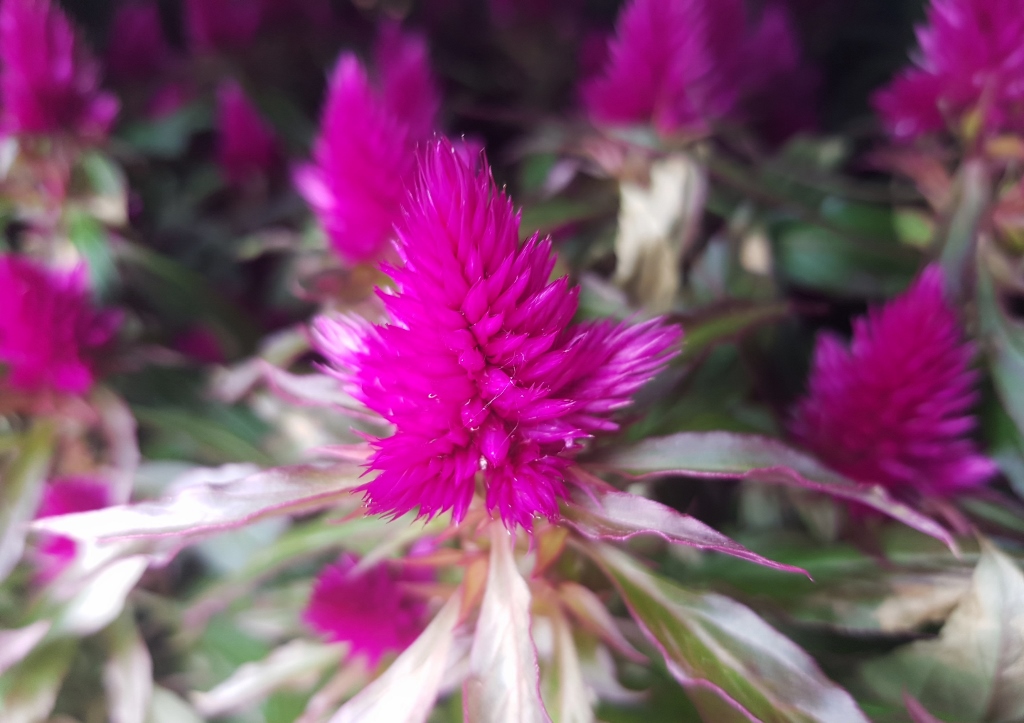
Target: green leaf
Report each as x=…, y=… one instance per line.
x=21, y=491
x=972, y=672
x=713, y=644
x=90, y=238
x=758, y=459
x=1004, y=341
x=29, y=690
x=169, y=136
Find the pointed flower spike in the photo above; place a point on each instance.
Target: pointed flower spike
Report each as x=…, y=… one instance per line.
x=895, y=407
x=481, y=369
x=49, y=82
x=49, y=329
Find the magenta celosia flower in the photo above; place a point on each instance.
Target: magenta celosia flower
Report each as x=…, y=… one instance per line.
x=63, y=497
x=364, y=156
x=49, y=328
x=137, y=49
x=247, y=146
x=369, y=609
x=481, y=370
x=222, y=24
x=970, y=64
x=895, y=408
x=48, y=81
x=682, y=64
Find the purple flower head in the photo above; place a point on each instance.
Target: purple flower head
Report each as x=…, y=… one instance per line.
x=364, y=156
x=369, y=609
x=222, y=24
x=895, y=407
x=49, y=328
x=64, y=497
x=970, y=65
x=137, y=50
x=481, y=370
x=48, y=81
x=683, y=64
x=246, y=145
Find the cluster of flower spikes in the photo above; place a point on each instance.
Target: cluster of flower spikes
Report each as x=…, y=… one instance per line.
x=367, y=608
x=247, y=145
x=49, y=328
x=969, y=71
x=365, y=156
x=48, y=82
x=682, y=64
x=482, y=371
x=895, y=408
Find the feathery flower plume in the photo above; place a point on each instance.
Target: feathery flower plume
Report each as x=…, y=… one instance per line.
x=367, y=608
x=48, y=81
x=222, y=24
x=969, y=72
x=247, y=145
x=481, y=370
x=64, y=497
x=364, y=157
x=681, y=64
x=895, y=408
x=49, y=328
x=137, y=50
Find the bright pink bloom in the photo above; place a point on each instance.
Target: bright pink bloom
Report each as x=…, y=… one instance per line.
x=682, y=64
x=49, y=328
x=64, y=497
x=369, y=609
x=895, y=408
x=364, y=157
x=247, y=145
x=48, y=81
x=137, y=49
x=482, y=371
x=971, y=60
x=222, y=24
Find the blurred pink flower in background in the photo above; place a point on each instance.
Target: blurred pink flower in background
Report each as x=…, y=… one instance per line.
x=364, y=157
x=895, y=407
x=65, y=496
x=246, y=144
x=49, y=328
x=682, y=64
x=137, y=49
x=968, y=71
x=222, y=24
x=369, y=609
x=482, y=371
x=48, y=81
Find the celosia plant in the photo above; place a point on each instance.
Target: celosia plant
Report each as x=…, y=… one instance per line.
x=375, y=443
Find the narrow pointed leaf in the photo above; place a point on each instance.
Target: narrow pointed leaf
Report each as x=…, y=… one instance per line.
x=299, y=660
x=16, y=644
x=504, y=679
x=206, y=507
x=20, y=492
x=757, y=459
x=717, y=644
x=601, y=512
x=407, y=691
x=29, y=690
x=127, y=673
